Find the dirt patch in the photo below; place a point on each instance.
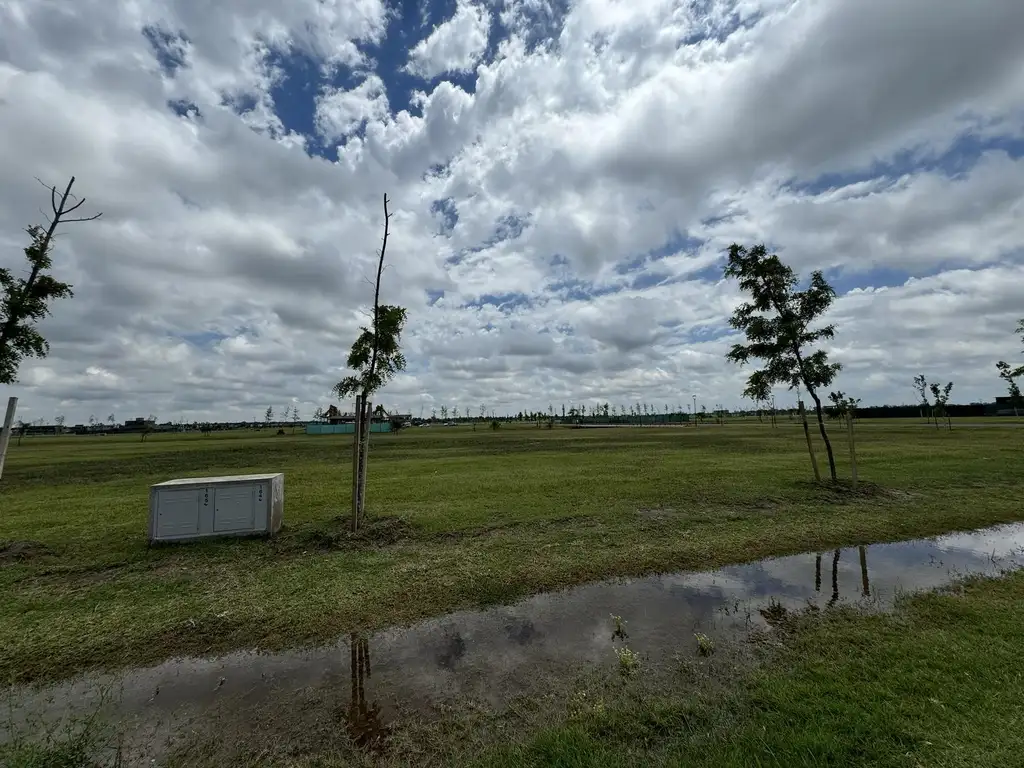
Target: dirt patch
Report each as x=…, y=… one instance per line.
x=374, y=532
x=841, y=492
x=14, y=551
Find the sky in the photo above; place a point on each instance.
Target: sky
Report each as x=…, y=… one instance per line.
x=564, y=178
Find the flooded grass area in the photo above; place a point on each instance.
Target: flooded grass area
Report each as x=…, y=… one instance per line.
x=404, y=692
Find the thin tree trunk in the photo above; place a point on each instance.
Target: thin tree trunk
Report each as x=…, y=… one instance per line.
x=824, y=434
x=364, y=457
x=853, y=453
x=355, y=463
x=810, y=447
x=5, y=435
x=817, y=572
x=865, y=584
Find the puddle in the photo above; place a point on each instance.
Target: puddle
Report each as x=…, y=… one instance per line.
x=492, y=655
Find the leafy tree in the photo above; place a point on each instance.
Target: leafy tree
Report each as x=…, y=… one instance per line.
x=921, y=387
x=1008, y=374
x=455, y=413
x=777, y=324
x=444, y=413
x=111, y=419
x=295, y=417
x=25, y=301
x=268, y=416
x=433, y=414
x=318, y=414
x=59, y=421
x=941, y=398
x=376, y=357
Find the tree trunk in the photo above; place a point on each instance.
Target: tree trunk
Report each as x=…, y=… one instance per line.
x=364, y=457
x=356, y=455
x=810, y=447
x=824, y=434
x=5, y=435
x=853, y=453
x=817, y=572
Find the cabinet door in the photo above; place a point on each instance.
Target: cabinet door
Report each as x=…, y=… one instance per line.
x=235, y=509
x=177, y=514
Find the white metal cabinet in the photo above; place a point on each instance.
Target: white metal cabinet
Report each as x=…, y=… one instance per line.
x=193, y=508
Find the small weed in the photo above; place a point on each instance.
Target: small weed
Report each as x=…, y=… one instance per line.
x=629, y=661
x=705, y=645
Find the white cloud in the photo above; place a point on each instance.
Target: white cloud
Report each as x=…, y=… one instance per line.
x=229, y=269
x=453, y=46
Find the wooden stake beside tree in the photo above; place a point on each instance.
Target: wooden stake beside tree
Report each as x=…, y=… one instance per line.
x=376, y=357
x=777, y=323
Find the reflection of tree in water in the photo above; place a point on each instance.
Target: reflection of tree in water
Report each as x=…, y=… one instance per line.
x=363, y=720
x=865, y=584
x=835, y=578
x=864, y=580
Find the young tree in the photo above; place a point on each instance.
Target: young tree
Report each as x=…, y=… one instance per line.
x=846, y=408
x=268, y=416
x=921, y=387
x=295, y=417
x=318, y=414
x=777, y=323
x=444, y=413
x=59, y=421
x=25, y=301
x=376, y=356
x=111, y=420
x=1008, y=374
x=941, y=398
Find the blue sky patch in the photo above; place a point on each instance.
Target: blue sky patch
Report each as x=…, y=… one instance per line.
x=168, y=47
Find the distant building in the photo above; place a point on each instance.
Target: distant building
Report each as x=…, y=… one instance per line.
x=140, y=424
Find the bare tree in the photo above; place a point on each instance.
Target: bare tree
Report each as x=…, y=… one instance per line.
x=376, y=356
x=59, y=421
x=268, y=415
x=921, y=387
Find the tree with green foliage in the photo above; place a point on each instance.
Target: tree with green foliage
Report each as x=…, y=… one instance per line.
x=941, y=399
x=376, y=357
x=268, y=415
x=777, y=323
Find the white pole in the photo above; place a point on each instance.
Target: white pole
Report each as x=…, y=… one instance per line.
x=5, y=436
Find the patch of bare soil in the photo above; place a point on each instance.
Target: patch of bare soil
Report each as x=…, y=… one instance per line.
x=374, y=532
x=16, y=551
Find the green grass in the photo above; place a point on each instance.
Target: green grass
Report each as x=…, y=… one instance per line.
x=937, y=684
x=463, y=518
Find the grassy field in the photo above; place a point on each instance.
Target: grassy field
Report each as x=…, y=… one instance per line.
x=461, y=518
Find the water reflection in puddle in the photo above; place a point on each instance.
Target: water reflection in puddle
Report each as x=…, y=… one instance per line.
x=492, y=655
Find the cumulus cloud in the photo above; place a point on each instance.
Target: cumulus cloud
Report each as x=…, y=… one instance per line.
x=564, y=178
x=453, y=46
